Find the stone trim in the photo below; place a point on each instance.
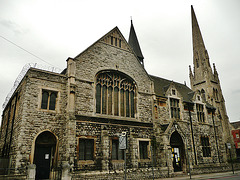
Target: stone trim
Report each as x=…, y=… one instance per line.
x=113, y=121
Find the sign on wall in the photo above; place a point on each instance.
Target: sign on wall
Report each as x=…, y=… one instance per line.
x=123, y=140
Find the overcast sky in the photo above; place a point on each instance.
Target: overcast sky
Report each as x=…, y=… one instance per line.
x=54, y=30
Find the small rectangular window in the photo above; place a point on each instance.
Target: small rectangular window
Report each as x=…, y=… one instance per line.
x=111, y=40
x=116, y=42
x=49, y=99
x=205, y=147
x=143, y=148
x=86, y=149
x=200, y=113
x=175, y=109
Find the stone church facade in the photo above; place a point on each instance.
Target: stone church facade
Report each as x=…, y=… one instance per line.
x=67, y=125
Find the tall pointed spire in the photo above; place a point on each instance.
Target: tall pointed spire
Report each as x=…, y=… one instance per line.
x=200, y=54
x=196, y=33
x=133, y=42
x=206, y=80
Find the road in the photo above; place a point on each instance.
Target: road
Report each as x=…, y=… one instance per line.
x=213, y=176
x=227, y=178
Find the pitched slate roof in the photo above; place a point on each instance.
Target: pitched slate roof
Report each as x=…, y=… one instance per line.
x=161, y=86
x=236, y=124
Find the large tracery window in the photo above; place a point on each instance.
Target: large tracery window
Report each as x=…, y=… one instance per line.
x=115, y=94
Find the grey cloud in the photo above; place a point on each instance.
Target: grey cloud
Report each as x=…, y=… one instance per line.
x=12, y=26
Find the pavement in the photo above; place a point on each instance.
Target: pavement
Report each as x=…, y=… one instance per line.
x=207, y=176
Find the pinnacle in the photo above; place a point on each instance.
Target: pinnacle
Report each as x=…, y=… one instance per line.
x=133, y=42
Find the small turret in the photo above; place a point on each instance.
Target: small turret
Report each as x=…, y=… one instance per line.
x=191, y=75
x=133, y=42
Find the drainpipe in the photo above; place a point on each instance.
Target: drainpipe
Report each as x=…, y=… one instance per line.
x=188, y=160
x=190, y=116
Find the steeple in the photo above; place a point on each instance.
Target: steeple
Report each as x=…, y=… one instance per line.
x=133, y=42
x=204, y=79
x=196, y=33
x=202, y=68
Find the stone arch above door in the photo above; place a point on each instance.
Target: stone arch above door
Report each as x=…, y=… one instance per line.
x=45, y=154
x=177, y=151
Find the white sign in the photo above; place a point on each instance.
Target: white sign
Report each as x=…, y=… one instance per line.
x=228, y=145
x=123, y=141
x=46, y=156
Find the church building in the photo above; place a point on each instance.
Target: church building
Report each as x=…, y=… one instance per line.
x=70, y=125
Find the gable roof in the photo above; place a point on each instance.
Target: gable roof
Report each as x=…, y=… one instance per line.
x=107, y=37
x=161, y=86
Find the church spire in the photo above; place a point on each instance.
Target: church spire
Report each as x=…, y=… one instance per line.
x=205, y=80
x=200, y=54
x=196, y=33
x=133, y=42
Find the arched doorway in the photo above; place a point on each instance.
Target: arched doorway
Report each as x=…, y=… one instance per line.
x=45, y=147
x=177, y=146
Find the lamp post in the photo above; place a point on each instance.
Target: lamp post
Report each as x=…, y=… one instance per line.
x=123, y=146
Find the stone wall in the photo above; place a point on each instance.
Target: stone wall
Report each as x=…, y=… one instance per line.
x=103, y=135
x=100, y=57
x=31, y=120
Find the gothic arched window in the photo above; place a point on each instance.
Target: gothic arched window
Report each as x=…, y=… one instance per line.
x=115, y=94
